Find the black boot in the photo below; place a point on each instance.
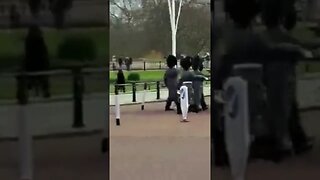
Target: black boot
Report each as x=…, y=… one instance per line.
x=203, y=103
x=193, y=108
x=305, y=146
x=168, y=104
x=178, y=109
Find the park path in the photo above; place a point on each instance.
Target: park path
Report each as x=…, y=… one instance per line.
x=164, y=150
x=153, y=144
x=68, y=158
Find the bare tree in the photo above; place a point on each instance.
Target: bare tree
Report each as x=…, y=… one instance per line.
x=124, y=9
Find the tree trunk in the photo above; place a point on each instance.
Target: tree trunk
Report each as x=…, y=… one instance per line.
x=174, y=44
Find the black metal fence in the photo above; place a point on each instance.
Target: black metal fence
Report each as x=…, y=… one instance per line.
x=135, y=86
x=79, y=82
x=78, y=75
x=145, y=65
x=139, y=65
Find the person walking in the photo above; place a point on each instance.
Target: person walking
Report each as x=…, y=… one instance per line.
x=171, y=82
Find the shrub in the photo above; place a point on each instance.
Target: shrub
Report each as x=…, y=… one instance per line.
x=77, y=48
x=134, y=77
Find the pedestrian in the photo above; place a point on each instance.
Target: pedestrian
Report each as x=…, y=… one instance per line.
x=197, y=84
x=37, y=59
x=120, y=83
x=281, y=78
x=171, y=82
x=127, y=63
x=120, y=62
x=188, y=76
x=240, y=45
x=203, y=102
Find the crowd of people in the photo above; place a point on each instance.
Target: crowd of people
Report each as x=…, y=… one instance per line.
x=277, y=52
x=123, y=63
x=174, y=79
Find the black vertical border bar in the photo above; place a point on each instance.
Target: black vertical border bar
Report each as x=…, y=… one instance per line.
x=108, y=89
x=212, y=88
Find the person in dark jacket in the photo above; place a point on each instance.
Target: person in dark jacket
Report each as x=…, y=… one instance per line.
x=37, y=59
x=241, y=45
x=171, y=81
x=187, y=75
x=197, y=84
x=121, y=80
x=281, y=77
x=202, y=101
x=120, y=62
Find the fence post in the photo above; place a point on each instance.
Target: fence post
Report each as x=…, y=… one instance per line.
x=159, y=64
x=77, y=98
x=158, y=89
x=24, y=133
x=117, y=105
x=144, y=65
x=134, y=92
x=144, y=95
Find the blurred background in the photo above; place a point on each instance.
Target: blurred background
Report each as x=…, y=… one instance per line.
x=53, y=85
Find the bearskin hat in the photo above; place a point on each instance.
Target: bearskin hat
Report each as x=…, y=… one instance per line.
x=171, y=61
x=196, y=63
x=186, y=63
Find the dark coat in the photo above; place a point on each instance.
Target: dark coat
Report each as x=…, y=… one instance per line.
x=120, y=78
x=36, y=53
x=171, y=82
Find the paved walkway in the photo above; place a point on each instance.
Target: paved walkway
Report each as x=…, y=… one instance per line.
x=155, y=145
x=72, y=158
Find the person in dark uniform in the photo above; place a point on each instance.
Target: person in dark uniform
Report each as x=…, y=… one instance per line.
x=202, y=101
x=241, y=45
x=187, y=75
x=281, y=77
x=198, y=84
x=37, y=59
x=120, y=81
x=301, y=142
x=171, y=81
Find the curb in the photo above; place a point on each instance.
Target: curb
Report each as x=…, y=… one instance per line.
x=57, y=135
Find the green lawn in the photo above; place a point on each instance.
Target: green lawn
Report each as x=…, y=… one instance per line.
x=145, y=76
x=12, y=44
